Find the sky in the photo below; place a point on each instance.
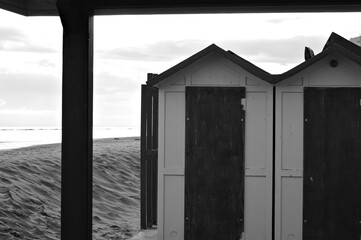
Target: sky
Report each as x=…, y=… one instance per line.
x=126, y=48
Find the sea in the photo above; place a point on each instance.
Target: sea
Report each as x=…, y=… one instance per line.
x=18, y=137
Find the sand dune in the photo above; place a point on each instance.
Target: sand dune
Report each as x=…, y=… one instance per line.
x=30, y=191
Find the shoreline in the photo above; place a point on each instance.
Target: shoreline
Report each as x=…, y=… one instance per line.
x=136, y=138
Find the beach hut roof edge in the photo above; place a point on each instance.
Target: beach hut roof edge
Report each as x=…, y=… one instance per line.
x=212, y=49
x=337, y=39
x=335, y=43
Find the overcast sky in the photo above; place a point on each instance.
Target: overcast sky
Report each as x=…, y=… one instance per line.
x=128, y=47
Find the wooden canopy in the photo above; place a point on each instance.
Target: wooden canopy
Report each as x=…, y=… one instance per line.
x=110, y=7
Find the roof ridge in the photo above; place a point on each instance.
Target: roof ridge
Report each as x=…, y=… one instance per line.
x=337, y=39
x=213, y=48
x=334, y=43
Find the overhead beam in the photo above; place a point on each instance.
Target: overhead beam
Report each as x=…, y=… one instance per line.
x=16, y=6
x=77, y=120
x=120, y=7
x=115, y=7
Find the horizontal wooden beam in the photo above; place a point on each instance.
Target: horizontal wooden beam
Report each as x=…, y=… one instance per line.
x=120, y=7
x=14, y=6
x=201, y=7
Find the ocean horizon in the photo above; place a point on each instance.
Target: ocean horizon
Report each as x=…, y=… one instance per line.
x=18, y=137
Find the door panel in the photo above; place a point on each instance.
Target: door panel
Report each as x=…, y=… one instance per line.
x=332, y=164
x=214, y=163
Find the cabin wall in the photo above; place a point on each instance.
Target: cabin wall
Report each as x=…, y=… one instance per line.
x=215, y=71
x=289, y=137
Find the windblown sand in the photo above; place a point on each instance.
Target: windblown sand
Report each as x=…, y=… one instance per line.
x=30, y=190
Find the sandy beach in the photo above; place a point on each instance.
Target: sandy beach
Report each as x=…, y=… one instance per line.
x=30, y=189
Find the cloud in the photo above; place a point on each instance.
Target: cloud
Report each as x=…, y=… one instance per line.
x=2, y=102
x=115, y=99
x=11, y=34
x=31, y=91
x=29, y=47
x=279, y=20
x=46, y=63
x=12, y=39
x=115, y=110
x=25, y=111
x=160, y=51
x=29, y=117
x=106, y=83
x=282, y=51
x=133, y=54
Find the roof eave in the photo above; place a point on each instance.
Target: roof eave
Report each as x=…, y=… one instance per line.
x=329, y=50
x=251, y=68
x=194, y=58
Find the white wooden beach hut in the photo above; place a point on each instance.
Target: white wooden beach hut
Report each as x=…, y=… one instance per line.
x=215, y=148
x=318, y=148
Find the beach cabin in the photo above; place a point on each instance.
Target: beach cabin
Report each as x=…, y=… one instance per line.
x=225, y=126
x=214, y=148
x=318, y=146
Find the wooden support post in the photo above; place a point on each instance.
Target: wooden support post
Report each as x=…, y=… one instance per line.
x=155, y=155
x=77, y=142
x=149, y=156
x=143, y=159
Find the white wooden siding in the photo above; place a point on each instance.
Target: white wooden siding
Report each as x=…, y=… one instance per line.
x=215, y=71
x=289, y=137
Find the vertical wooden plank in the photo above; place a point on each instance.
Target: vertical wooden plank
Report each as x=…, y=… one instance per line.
x=155, y=117
x=143, y=145
x=149, y=158
x=332, y=163
x=214, y=163
x=149, y=155
x=77, y=120
x=313, y=169
x=154, y=155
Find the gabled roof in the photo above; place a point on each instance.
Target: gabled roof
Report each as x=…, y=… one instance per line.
x=335, y=43
x=212, y=49
x=337, y=39
x=331, y=49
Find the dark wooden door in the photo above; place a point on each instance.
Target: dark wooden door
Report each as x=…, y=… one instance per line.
x=214, y=163
x=332, y=164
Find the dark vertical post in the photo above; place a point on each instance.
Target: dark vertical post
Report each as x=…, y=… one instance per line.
x=143, y=161
x=76, y=177
x=155, y=104
x=149, y=156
